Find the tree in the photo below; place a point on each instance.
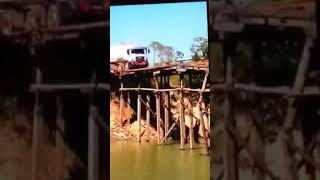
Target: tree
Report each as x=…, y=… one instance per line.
x=167, y=55
x=199, y=48
x=157, y=47
x=179, y=54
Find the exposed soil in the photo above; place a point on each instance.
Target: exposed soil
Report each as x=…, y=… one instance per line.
x=129, y=131
x=16, y=153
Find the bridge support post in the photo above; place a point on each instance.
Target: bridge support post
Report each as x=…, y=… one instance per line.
x=148, y=117
x=158, y=116
x=182, y=126
x=121, y=104
x=93, y=136
x=36, y=128
x=166, y=110
x=59, y=136
x=139, y=115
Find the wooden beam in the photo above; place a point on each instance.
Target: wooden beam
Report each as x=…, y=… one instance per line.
x=61, y=87
x=164, y=90
x=290, y=170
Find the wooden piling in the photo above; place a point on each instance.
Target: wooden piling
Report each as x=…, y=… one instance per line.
x=182, y=126
x=158, y=116
x=93, y=136
x=121, y=104
x=204, y=132
x=92, y=144
x=191, y=131
x=59, y=137
x=148, y=117
x=166, y=111
x=36, y=128
x=230, y=162
x=139, y=115
x=290, y=168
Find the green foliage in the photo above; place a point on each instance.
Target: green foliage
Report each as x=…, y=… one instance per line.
x=199, y=48
x=165, y=54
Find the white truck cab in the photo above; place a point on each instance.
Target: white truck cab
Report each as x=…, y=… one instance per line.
x=136, y=56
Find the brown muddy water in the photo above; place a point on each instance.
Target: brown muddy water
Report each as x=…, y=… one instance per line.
x=148, y=161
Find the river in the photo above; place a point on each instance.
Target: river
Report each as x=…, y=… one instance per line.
x=134, y=161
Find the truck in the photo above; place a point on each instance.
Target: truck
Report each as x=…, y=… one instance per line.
x=129, y=56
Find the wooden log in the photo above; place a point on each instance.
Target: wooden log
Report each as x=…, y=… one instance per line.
x=158, y=103
x=147, y=105
x=121, y=106
x=36, y=128
x=290, y=171
x=191, y=130
x=201, y=115
x=62, y=87
x=148, y=117
x=182, y=126
x=92, y=144
x=230, y=158
x=93, y=136
x=59, y=137
x=166, y=115
x=164, y=90
x=170, y=130
x=158, y=116
x=234, y=133
x=139, y=116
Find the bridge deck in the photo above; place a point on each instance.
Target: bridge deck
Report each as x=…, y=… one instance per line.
x=194, y=67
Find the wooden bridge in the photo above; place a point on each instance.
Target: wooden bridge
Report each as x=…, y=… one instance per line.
x=160, y=76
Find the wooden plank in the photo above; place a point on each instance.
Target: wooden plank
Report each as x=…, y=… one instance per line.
x=148, y=117
x=36, y=128
x=290, y=171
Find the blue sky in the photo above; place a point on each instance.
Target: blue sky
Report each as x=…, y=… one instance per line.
x=174, y=24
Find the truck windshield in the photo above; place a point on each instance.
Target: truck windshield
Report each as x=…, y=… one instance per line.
x=137, y=51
